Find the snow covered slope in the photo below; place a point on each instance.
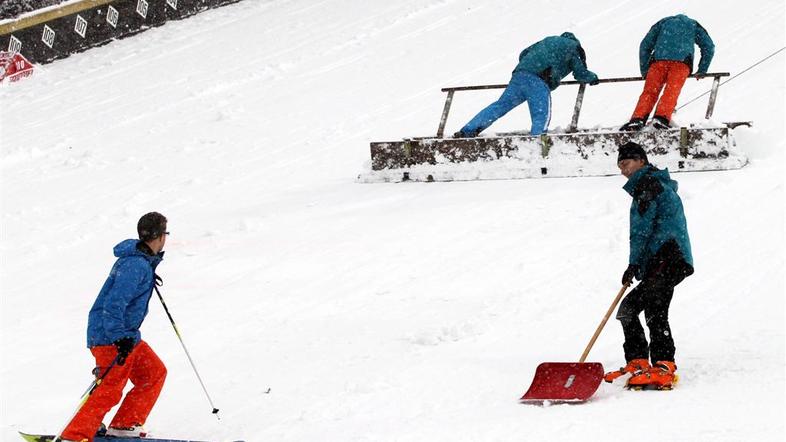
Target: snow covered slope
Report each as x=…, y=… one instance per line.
x=379, y=312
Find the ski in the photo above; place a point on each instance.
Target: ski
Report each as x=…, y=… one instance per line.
x=50, y=438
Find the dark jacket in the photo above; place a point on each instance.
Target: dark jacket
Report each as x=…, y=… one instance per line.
x=673, y=38
x=553, y=58
x=122, y=303
x=657, y=218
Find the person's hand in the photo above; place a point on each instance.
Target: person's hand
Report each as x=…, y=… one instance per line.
x=124, y=348
x=594, y=82
x=700, y=75
x=630, y=273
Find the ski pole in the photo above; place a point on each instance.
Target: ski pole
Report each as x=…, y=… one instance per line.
x=85, y=396
x=177, y=332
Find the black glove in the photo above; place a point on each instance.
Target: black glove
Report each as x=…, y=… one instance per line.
x=630, y=273
x=124, y=348
x=594, y=82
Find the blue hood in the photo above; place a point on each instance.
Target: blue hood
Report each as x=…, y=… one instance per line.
x=570, y=36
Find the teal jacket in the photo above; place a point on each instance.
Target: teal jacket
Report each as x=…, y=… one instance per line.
x=553, y=58
x=673, y=38
x=656, y=216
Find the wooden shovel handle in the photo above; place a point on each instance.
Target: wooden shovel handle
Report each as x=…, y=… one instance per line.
x=603, y=322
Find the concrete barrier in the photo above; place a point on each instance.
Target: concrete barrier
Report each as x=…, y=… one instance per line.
x=56, y=33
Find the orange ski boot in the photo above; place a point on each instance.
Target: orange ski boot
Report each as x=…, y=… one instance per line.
x=634, y=367
x=660, y=376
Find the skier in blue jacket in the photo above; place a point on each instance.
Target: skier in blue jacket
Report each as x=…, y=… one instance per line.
x=540, y=69
x=660, y=257
x=115, y=341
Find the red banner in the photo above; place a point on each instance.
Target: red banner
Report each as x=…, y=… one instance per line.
x=14, y=66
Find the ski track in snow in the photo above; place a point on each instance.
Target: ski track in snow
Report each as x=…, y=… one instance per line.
x=391, y=311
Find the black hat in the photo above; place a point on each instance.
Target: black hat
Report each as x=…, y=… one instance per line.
x=151, y=226
x=632, y=151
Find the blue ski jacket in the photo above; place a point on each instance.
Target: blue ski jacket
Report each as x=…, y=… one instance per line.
x=122, y=303
x=553, y=58
x=673, y=38
x=656, y=216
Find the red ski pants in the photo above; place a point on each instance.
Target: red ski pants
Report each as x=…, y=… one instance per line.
x=672, y=74
x=143, y=368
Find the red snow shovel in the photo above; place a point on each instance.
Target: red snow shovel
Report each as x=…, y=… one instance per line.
x=569, y=381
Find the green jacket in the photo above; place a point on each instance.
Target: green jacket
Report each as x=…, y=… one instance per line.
x=673, y=38
x=553, y=58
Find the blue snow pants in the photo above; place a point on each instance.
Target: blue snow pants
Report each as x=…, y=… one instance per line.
x=523, y=86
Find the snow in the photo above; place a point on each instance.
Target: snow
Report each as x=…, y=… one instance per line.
x=380, y=311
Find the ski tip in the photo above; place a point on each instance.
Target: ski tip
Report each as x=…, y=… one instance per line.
x=36, y=437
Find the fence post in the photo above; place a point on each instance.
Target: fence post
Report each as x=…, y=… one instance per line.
x=445, y=111
x=577, y=108
x=713, y=96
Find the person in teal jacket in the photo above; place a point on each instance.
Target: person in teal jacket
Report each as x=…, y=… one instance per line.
x=666, y=59
x=540, y=69
x=660, y=257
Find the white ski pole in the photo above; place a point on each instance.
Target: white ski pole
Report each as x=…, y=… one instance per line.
x=177, y=332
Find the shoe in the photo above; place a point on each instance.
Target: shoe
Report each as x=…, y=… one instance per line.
x=461, y=134
x=660, y=376
x=661, y=123
x=134, y=431
x=635, y=124
x=634, y=367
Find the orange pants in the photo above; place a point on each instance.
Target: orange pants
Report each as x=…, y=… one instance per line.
x=143, y=368
x=672, y=74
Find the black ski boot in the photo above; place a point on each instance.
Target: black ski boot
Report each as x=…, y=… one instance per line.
x=635, y=124
x=660, y=123
x=461, y=134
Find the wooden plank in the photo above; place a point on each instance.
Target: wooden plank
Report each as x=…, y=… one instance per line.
x=49, y=15
x=692, y=143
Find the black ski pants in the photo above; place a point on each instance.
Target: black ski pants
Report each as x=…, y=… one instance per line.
x=653, y=296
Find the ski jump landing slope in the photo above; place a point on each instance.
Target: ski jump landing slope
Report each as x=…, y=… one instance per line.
x=317, y=308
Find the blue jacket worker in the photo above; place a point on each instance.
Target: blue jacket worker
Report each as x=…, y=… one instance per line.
x=541, y=68
x=660, y=257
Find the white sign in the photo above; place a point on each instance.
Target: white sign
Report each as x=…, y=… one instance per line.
x=112, y=16
x=81, y=26
x=141, y=8
x=14, y=45
x=172, y=4
x=48, y=37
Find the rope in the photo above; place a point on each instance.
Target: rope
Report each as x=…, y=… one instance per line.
x=732, y=78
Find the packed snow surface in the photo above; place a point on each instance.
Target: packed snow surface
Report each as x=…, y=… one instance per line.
x=317, y=308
